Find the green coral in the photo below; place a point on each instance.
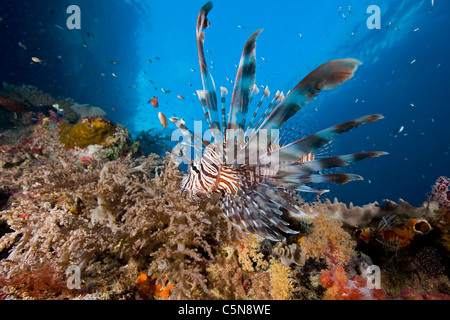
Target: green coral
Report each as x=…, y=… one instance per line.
x=87, y=131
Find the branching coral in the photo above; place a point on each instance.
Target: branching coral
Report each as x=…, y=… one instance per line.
x=281, y=284
x=327, y=239
x=79, y=215
x=440, y=192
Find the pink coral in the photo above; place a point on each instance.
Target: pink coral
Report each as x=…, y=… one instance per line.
x=440, y=192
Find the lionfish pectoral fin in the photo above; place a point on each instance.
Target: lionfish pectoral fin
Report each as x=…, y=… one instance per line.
x=304, y=188
x=328, y=76
x=327, y=163
x=300, y=148
x=294, y=181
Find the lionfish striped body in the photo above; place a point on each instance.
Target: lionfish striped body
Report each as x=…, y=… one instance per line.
x=237, y=167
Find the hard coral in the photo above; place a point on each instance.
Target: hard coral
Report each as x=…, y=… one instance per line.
x=87, y=131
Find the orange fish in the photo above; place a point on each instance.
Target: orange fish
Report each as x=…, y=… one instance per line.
x=154, y=102
x=37, y=60
x=180, y=97
x=162, y=119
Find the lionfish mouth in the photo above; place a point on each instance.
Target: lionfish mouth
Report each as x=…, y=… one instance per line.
x=257, y=178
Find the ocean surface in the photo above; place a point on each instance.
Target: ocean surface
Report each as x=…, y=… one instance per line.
x=128, y=51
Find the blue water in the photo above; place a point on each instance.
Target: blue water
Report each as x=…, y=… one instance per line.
x=131, y=32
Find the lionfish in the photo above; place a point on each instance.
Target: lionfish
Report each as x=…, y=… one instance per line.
x=251, y=191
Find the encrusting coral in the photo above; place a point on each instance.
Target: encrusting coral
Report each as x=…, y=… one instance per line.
x=87, y=131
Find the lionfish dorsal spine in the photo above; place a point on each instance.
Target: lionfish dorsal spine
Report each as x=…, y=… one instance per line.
x=243, y=85
x=209, y=88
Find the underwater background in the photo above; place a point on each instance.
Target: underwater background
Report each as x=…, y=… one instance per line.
x=129, y=51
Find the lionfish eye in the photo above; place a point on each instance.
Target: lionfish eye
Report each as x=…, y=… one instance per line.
x=195, y=168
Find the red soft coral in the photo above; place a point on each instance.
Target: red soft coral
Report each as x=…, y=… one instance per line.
x=339, y=287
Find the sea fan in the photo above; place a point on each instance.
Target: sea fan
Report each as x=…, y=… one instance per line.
x=247, y=165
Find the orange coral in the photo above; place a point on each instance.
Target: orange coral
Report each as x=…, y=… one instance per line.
x=328, y=239
x=281, y=284
x=339, y=287
x=249, y=254
x=150, y=287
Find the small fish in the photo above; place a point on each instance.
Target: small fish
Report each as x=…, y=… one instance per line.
x=113, y=109
x=180, y=97
x=149, y=61
x=165, y=91
x=241, y=27
x=352, y=34
x=192, y=69
x=162, y=119
x=59, y=27
x=89, y=34
x=432, y=5
x=398, y=131
x=413, y=61
x=350, y=9
x=157, y=58
x=114, y=75
x=415, y=30
x=113, y=62
x=84, y=44
x=396, y=28
x=340, y=9
x=343, y=16
x=37, y=60
x=263, y=59
x=102, y=74
x=301, y=36
x=154, y=102
x=389, y=24
x=411, y=104
x=22, y=45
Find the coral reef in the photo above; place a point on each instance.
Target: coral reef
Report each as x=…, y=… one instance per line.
x=33, y=98
x=123, y=220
